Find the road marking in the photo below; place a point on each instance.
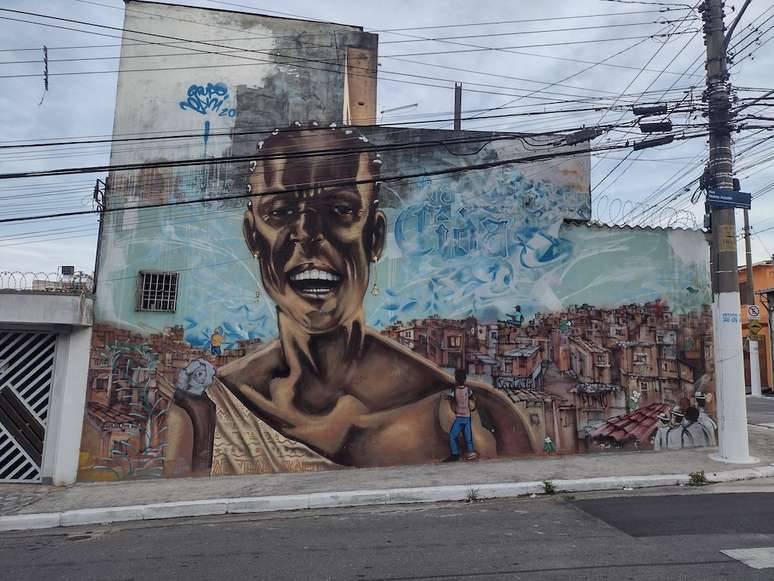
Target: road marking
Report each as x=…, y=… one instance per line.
x=761, y=558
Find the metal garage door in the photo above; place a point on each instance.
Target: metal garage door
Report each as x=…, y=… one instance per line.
x=26, y=377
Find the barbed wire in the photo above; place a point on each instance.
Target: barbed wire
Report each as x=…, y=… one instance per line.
x=618, y=212
x=54, y=282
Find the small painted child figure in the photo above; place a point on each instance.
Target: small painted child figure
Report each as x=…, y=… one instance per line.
x=216, y=341
x=462, y=400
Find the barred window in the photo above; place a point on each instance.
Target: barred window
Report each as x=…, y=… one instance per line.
x=157, y=291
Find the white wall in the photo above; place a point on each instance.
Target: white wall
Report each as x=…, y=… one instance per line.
x=62, y=443
x=71, y=317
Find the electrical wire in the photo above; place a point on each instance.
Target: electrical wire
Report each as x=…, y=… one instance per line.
x=332, y=183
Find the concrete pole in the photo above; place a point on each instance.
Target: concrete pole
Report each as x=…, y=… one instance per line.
x=770, y=321
x=729, y=357
x=755, y=369
x=749, y=299
x=749, y=287
x=457, y=106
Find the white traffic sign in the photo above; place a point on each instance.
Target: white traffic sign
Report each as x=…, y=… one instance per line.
x=753, y=312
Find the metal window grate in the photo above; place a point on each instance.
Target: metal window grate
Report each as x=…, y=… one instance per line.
x=157, y=291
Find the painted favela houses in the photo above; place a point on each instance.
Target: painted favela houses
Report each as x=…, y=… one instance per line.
x=307, y=307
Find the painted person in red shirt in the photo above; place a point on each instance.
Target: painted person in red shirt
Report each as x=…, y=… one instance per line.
x=463, y=401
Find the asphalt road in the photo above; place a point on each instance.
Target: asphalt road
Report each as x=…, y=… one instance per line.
x=675, y=537
x=760, y=410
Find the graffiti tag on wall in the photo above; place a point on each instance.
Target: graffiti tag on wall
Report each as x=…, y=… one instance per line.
x=206, y=98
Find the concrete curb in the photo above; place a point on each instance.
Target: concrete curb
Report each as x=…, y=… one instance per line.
x=741, y=474
x=246, y=505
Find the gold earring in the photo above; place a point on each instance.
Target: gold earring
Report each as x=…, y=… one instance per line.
x=375, y=289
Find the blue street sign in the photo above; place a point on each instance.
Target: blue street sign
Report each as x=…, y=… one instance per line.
x=729, y=199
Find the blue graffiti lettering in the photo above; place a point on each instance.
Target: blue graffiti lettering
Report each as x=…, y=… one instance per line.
x=205, y=98
x=495, y=242
x=471, y=233
x=411, y=231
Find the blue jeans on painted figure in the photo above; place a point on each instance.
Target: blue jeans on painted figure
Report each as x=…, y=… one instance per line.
x=461, y=425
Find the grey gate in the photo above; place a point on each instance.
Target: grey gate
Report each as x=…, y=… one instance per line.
x=26, y=377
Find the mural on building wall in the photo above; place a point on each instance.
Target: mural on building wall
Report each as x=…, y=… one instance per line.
x=330, y=381
x=322, y=316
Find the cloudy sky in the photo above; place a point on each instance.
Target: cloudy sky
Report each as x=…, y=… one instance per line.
x=515, y=58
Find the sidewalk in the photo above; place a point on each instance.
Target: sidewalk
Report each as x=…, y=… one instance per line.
x=33, y=506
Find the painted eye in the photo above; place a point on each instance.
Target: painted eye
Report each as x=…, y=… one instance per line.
x=283, y=212
x=341, y=210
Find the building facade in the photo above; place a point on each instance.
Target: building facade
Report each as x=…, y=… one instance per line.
x=283, y=286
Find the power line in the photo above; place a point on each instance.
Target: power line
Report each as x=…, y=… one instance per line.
x=233, y=159
x=151, y=222
x=332, y=183
x=506, y=50
x=231, y=134
x=417, y=39
x=562, y=80
x=399, y=125
x=263, y=52
x=621, y=162
x=327, y=34
x=172, y=44
x=631, y=163
x=228, y=53
x=382, y=72
x=548, y=19
x=542, y=45
x=522, y=32
x=485, y=139
x=140, y=222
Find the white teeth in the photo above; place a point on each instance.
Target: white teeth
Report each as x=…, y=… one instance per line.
x=316, y=274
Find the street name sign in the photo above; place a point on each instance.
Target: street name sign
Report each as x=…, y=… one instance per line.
x=729, y=199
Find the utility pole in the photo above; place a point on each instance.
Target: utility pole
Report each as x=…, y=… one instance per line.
x=767, y=296
x=749, y=287
x=749, y=299
x=100, y=201
x=729, y=357
x=457, y=106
